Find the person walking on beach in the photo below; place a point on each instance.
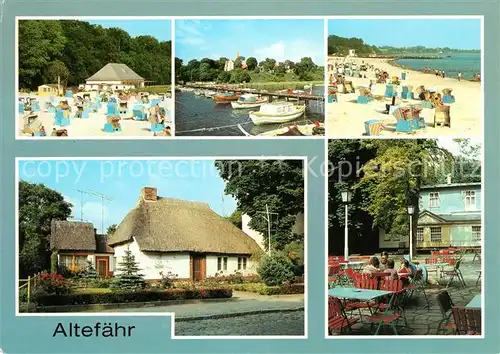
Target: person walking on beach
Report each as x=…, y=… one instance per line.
x=436, y=72
x=442, y=74
x=459, y=76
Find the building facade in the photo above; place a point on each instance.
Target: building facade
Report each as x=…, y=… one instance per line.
x=450, y=215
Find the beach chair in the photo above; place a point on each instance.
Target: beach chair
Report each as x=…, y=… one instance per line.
x=364, y=96
x=442, y=116
x=373, y=127
x=389, y=91
x=417, y=121
x=35, y=106
x=447, y=96
x=403, y=125
x=21, y=108
x=62, y=118
x=112, y=109
x=69, y=93
x=407, y=92
x=112, y=124
x=139, y=112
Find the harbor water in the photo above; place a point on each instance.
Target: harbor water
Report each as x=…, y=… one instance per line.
x=201, y=116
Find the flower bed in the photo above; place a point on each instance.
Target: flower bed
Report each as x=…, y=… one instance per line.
x=263, y=289
x=131, y=297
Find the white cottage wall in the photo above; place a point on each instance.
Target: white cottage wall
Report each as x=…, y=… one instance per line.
x=232, y=266
x=151, y=264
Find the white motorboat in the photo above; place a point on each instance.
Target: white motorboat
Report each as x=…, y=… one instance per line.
x=304, y=128
x=249, y=101
x=276, y=112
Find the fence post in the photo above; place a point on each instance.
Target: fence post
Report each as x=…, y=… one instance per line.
x=29, y=281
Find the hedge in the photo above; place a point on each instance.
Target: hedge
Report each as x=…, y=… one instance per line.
x=130, y=297
x=270, y=290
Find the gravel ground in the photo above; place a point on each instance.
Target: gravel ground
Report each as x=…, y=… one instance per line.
x=266, y=324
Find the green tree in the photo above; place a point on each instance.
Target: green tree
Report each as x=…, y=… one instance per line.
x=251, y=63
x=38, y=206
x=239, y=76
x=277, y=184
x=224, y=77
x=235, y=219
x=57, y=70
x=90, y=272
x=40, y=42
x=276, y=269
x=127, y=276
x=238, y=62
x=111, y=229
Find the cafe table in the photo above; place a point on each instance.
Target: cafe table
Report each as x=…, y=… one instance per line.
x=475, y=303
x=353, y=264
x=357, y=294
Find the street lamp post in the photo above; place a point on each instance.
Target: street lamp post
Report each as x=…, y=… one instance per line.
x=346, y=199
x=411, y=209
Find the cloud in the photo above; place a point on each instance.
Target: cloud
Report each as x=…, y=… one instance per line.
x=293, y=50
x=189, y=33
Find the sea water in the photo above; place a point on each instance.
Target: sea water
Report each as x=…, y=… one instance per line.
x=466, y=63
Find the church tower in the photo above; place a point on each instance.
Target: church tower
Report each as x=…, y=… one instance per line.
x=237, y=54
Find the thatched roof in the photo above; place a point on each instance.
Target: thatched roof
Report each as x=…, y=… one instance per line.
x=72, y=236
x=115, y=72
x=173, y=225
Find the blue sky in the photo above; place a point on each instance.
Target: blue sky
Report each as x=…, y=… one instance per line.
x=122, y=180
x=277, y=39
x=453, y=33
x=160, y=29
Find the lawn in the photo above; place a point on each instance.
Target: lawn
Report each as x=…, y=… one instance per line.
x=91, y=290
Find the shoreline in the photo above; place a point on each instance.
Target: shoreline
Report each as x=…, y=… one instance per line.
x=392, y=62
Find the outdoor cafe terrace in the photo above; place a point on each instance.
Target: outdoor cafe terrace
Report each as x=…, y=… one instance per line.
x=444, y=297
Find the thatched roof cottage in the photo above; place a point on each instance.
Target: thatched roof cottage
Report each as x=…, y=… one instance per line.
x=78, y=242
x=186, y=238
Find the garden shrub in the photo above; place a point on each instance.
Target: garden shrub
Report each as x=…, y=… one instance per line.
x=263, y=289
x=128, y=275
x=167, y=280
x=276, y=269
x=53, y=284
x=131, y=297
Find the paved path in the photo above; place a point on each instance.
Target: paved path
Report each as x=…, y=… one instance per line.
x=266, y=324
x=241, y=302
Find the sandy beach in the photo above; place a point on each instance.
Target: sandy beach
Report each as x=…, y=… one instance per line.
x=346, y=118
x=91, y=127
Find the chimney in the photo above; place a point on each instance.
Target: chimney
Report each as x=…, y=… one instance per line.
x=448, y=179
x=149, y=194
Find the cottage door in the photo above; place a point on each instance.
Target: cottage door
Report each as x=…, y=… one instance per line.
x=198, y=268
x=102, y=267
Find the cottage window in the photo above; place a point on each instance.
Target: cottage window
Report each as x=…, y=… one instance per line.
x=420, y=235
x=221, y=263
x=71, y=261
x=470, y=200
x=436, y=234
x=242, y=263
x=434, y=200
x=476, y=233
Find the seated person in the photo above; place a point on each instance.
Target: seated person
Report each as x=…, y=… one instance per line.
x=392, y=273
x=373, y=266
x=383, y=260
x=408, y=267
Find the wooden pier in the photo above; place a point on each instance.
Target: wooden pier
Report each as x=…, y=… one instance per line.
x=223, y=88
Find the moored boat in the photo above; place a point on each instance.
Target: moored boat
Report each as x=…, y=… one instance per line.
x=277, y=112
x=305, y=128
x=226, y=97
x=249, y=101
